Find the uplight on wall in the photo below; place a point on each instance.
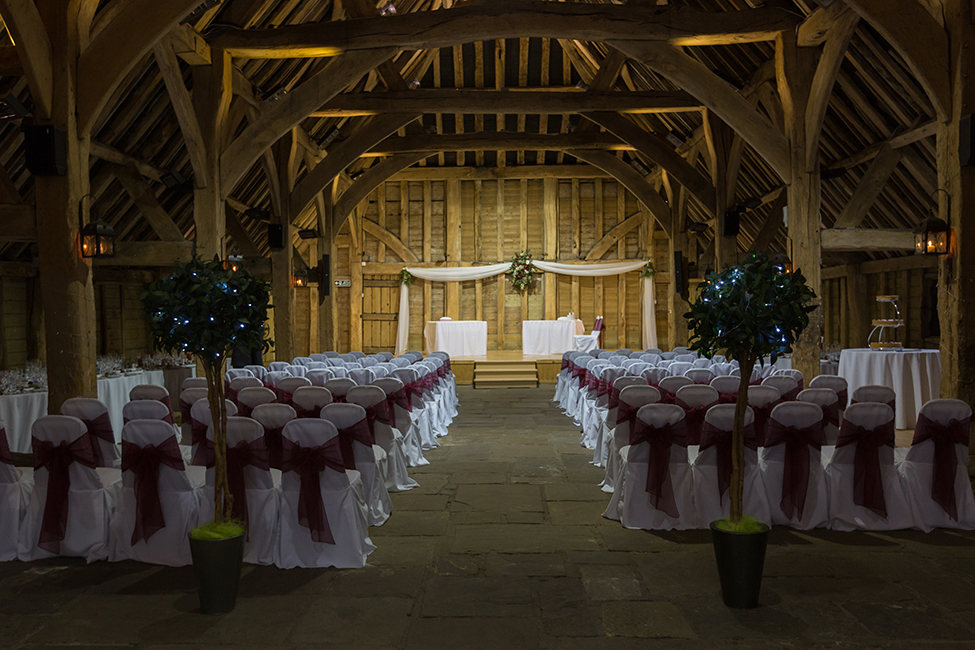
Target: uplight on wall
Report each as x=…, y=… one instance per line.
x=300, y=278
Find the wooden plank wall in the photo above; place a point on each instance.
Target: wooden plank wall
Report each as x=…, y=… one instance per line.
x=463, y=223
x=13, y=322
x=120, y=328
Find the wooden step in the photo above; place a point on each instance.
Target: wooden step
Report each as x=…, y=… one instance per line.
x=505, y=374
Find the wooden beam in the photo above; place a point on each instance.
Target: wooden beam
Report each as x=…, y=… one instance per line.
x=867, y=239
x=119, y=47
x=148, y=253
x=501, y=19
x=490, y=141
x=610, y=239
x=815, y=29
x=110, y=154
x=632, y=181
x=898, y=141
x=479, y=102
x=245, y=244
x=770, y=227
x=179, y=97
x=10, y=65
x=869, y=189
x=145, y=200
x=840, y=33
x=919, y=39
x=26, y=27
x=18, y=222
x=717, y=95
x=190, y=46
x=393, y=243
x=514, y=172
x=366, y=183
x=290, y=110
x=17, y=270
x=661, y=152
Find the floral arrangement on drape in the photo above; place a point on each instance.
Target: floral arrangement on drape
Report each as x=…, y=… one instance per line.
x=522, y=270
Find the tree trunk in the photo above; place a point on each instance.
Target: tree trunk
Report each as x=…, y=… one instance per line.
x=737, y=496
x=222, y=499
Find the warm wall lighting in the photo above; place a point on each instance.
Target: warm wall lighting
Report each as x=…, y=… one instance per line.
x=931, y=237
x=97, y=237
x=782, y=262
x=234, y=263
x=300, y=278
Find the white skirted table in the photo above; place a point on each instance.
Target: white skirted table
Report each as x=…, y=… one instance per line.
x=19, y=411
x=458, y=338
x=549, y=336
x=914, y=375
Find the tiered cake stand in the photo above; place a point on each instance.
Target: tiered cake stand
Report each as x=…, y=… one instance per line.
x=885, y=328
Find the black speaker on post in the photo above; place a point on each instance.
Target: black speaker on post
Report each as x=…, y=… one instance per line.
x=732, y=223
x=966, y=146
x=45, y=148
x=325, y=286
x=275, y=236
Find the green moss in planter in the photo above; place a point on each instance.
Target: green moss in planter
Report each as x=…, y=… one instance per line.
x=214, y=530
x=747, y=524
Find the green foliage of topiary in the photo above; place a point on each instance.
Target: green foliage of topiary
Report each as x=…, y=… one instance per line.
x=752, y=311
x=207, y=310
x=747, y=524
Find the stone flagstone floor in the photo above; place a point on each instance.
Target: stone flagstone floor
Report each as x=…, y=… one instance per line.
x=503, y=546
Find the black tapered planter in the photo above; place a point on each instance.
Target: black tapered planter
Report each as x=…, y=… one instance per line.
x=741, y=558
x=217, y=563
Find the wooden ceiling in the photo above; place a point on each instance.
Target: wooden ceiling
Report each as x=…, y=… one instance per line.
x=878, y=127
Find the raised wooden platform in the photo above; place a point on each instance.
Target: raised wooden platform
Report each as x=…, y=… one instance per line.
x=506, y=369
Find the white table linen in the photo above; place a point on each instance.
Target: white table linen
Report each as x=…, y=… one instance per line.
x=549, y=336
x=18, y=412
x=458, y=338
x=913, y=375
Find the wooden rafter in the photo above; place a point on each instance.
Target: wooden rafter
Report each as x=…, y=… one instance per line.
x=393, y=243
x=610, y=239
x=24, y=23
x=183, y=107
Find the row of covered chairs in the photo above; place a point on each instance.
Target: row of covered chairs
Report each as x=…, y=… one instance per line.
x=793, y=475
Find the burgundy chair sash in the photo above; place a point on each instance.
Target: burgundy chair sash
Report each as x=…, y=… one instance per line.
x=358, y=432
x=442, y=372
x=659, y=486
x=666, y=397
x=831, y=413
x=274, y=445
x=945, y=437
x=184, y=411
x=402, y=397
x=414, y=388
x=253, y=453
x=614, y=398
x=579, y=373
x=892, y=404
x=795, y=476
x=626, y=413
x=792, y=395
x=99, y=428
x=244, y=410
x=309, y=463
x=565, y=364
x=603, y=387
x=230, y=393
x=203, y=456
x=868, y=484
x=57, y=460
x=338, y=399
x=762, y=415
x=144, y=463
x=727, y=398
x=693, y=420
x=284, y=397
x=169, y=405
x=721, y=440
x=5, y=457
x=842, y=398
x=592, y=382
x=378, y=412
x=304, y=413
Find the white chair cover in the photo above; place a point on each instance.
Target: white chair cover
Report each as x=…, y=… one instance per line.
x=654, y=375
x=341, y=498
x=193, y=382
x=917, y=466
x=828, y=401
x=144, y=409
x=152, y=392
x=362, y=376
x=200, y=419
x=390, y=439
x=877, y=425
x=878, y=394
x=370, y=462
x=178, y=499
x=635, y=503
x=289, y=385
x=773, y=461
x=250, y=398
x=339, y=387
x=420, y=416
x=787, y=386
x=699, y=375
x=92, y=495
x=412, y=444
x=257, y=371
x=308, y=401
x=296, y=370
x=837, y=384
x=277, y=366
x=95, y=416
x=712, y=501
x=235, y=373
x=318, y=356
x=15, y=488
x=240, y=383
x=726, y=385
x=670, y=385
x=301, y=361
x=319, y=377
x=608, y=420
x=631, y=398
x=187, y=399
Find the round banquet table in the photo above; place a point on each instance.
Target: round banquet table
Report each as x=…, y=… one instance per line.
x=914, y=375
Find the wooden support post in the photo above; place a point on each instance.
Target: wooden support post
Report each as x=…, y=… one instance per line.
x=212, y=92
x=677, y=305
x=65, y=277
x=795, y=68
x=327, y=313
x=427, y=247
x=501, y=278
x=719, y=139
x=355, y=297
x=550, y=207
x=452, y=210
x=858, y=305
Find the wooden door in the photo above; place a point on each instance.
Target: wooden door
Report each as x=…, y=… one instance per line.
x=380, y=308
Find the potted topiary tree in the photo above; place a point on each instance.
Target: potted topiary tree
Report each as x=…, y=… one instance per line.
x=752, y=311
x=206, y=309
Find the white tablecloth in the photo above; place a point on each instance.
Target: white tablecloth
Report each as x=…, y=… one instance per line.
x=18, y=412
x=914, y=375
x=549, y=336
x=458, y=338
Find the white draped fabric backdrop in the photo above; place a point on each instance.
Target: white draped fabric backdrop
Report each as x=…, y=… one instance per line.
x=461, y=274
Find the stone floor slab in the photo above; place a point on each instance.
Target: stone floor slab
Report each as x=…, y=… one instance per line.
x=645, y=620
x=522, y=538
